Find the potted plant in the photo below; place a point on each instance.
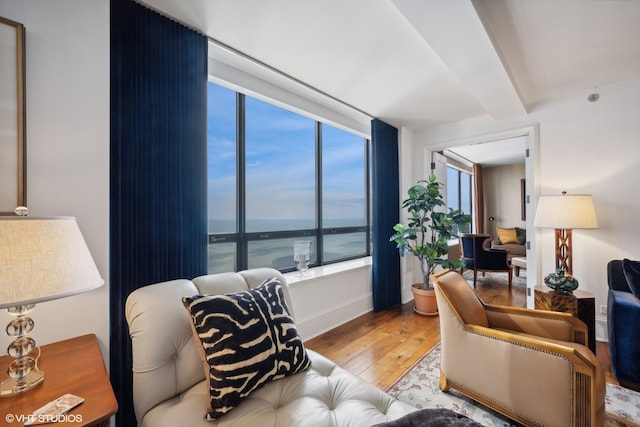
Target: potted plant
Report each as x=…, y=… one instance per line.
x=426, y=235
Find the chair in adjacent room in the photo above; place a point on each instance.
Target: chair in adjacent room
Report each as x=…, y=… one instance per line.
x=476, y=255
x=531, y=365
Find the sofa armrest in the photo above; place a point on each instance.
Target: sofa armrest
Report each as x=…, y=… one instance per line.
x=542, y=323
x=615, y=276
x=513, y=249
x=165, y=357
x=623, y=324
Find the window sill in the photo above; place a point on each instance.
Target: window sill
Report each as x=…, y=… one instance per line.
x=327, y=270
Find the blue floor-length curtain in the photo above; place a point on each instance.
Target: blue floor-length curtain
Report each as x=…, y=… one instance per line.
x=385, y=214
x=158, y=211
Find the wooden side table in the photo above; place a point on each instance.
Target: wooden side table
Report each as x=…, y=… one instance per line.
x=72, y=366
x=581, y=304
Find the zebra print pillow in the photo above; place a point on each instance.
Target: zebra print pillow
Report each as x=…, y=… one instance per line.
x=249, y=339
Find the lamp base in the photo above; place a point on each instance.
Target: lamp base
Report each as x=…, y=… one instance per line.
x=561, y=282
x=10, y=386
x=23, y=371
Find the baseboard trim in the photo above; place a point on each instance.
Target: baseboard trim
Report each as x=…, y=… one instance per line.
x=334, y=316
x=601, y=329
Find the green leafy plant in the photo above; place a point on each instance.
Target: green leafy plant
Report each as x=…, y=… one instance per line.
x=428, y=230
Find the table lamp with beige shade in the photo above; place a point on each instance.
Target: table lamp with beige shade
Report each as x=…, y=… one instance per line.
x=41, y=259
x=564, y=213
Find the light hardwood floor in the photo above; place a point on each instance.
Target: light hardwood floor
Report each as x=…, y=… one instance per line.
x=381, y=346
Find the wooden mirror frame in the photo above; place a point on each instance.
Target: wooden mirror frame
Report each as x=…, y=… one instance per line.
x=12, y=131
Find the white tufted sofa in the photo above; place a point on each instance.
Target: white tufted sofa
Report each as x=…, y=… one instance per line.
x=169, y=387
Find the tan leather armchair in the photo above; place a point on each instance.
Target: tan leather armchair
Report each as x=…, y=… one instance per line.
x=530, y=365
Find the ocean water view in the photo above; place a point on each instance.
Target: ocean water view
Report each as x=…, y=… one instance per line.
x=261, y=224
x=278, y=253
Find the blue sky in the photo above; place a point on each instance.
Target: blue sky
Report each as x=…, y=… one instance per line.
x=280, y=163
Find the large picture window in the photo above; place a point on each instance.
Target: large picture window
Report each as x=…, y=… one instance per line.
x=276, y=176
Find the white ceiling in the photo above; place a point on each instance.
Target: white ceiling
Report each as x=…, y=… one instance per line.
x=491, y=153
x=422, y=63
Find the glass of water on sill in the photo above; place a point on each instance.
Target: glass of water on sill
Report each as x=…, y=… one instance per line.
x=302, y=255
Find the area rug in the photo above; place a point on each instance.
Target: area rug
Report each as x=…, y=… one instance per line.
x=419, y=387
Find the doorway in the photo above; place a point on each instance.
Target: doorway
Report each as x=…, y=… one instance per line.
x=508, y=147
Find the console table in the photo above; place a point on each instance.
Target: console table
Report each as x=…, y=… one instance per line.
x=579, y=303
x=71, y=366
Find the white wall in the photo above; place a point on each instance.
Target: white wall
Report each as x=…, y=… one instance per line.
x=501, y=186
x=67, y=86
x=330, y=295
x=584, y=147
x=409, y=268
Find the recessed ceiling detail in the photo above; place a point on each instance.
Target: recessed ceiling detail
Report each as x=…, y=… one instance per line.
x=423, y=63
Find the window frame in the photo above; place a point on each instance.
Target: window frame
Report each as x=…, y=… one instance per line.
x=242, y=238
x=459, y=192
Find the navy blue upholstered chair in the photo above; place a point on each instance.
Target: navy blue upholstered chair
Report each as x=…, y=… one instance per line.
x=623, y=324
x=476, y=255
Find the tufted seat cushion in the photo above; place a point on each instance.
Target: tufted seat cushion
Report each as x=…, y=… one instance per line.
x=169, y=386
x=325, y=395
